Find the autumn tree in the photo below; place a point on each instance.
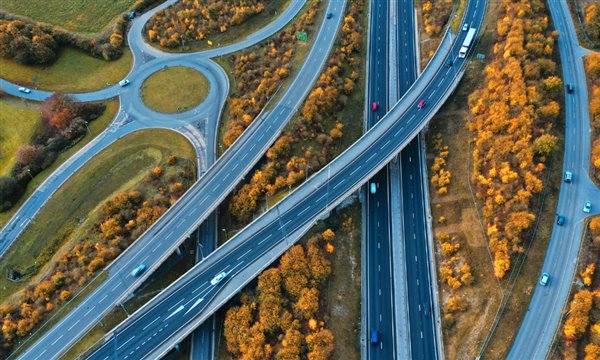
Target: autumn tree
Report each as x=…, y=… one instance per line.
x=320, y=344
x=237, y=323
x=579, y=312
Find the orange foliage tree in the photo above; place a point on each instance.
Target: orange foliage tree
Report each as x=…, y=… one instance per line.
x=511, y=111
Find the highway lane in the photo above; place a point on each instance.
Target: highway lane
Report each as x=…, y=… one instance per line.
x=379, y=292
x=191, y=299
x=422, y=322
x=195, y=206
x=543, y=314
x=423, y=339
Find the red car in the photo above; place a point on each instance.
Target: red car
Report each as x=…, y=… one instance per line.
x=421, y=104
x=374, y=106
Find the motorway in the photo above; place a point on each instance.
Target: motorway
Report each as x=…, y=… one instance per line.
x=174, y=313
x=545, y=309
x=422, y=324
x=423, y=337
x=195, y=206
x=420, y=340
x=379, y=299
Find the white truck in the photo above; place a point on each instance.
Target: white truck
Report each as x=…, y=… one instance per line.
x=464, y=49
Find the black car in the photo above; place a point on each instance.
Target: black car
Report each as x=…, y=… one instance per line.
x=570, y=88
x=449, y=63
x=329, y=15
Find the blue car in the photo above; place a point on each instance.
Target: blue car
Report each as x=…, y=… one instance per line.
x=138, y=270
x=373, y=188
x=374, y=337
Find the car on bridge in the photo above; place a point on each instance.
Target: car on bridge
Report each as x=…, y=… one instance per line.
x=421, y=104
x=560, y=219
x=138, y=270
x=218, y=278
x=374, y=106
x=568, y=176
x=329, y=15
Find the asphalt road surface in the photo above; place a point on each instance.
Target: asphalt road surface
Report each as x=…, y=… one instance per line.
x=540, y=324
x=420, y=296
x=379, y=300
x=192, y=298
x=423, y=337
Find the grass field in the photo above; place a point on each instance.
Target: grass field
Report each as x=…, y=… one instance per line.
x=84, y=16
x=175, y=89
x=73, y=71
x=71, y=209
x=19, y=120
x=96, y=127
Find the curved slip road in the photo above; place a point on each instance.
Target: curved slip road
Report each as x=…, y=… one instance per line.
x=543, y=315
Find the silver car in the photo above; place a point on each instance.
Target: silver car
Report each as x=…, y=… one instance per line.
x=217, y=279
x=544, y=279
x=587, y=207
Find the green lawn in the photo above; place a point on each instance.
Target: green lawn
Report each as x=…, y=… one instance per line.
x=19, y=120
x=70, y=211
x=73, y=71
x=84, y=16
x=96, y=127
x=175, y=89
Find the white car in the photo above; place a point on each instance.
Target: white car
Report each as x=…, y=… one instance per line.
x=465, y=27
x=587, y=207
x=24, y=90
x=544, y=279
x=123, y=82
x=217, y=279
